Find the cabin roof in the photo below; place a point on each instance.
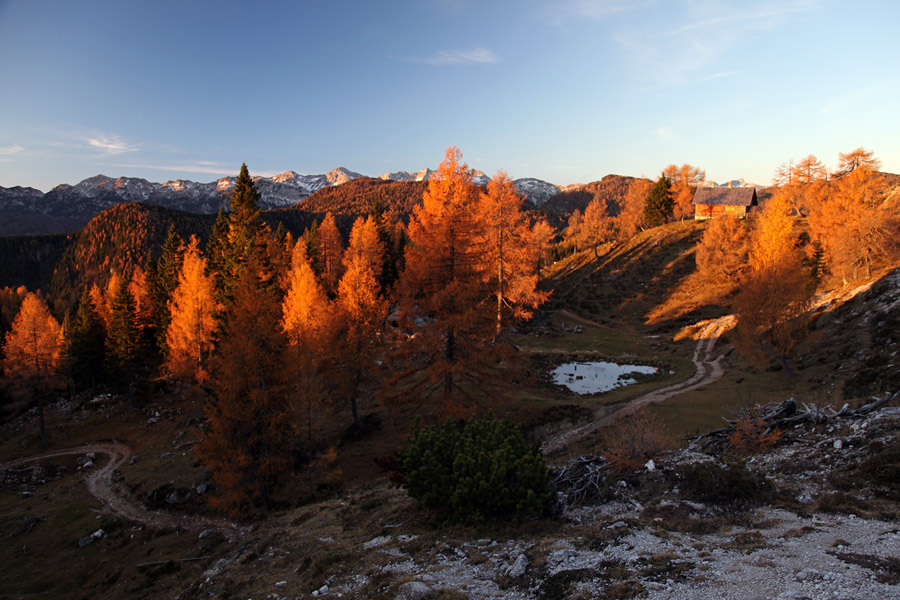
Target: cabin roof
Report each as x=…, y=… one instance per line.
x=726, y=196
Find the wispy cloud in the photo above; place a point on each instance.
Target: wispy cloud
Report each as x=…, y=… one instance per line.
x=473, y=56
x=7, y=150
x=767, y=15
x=664, y=133
x=701, y=36
x=110, y=144
x=210, y=168
x=559, y=13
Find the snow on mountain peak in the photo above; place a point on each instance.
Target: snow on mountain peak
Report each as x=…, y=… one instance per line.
x=341, y=175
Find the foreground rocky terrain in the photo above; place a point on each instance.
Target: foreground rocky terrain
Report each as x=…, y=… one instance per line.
x=814, y=517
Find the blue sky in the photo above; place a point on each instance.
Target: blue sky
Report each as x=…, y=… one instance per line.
x=565, y=91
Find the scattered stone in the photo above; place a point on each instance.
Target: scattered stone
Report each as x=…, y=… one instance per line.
x=650, y=466
x=204, y=533
x=412, y=590
x=838, y=444
x=376, y=542
x=133, y=459
x=280, y=583
x=321, y=591
x=165, y=455
x=518, y=568
x=201, y=489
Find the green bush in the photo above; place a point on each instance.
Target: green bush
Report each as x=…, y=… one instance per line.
x=475, y=473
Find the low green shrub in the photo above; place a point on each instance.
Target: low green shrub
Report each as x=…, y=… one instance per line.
x=481, y=471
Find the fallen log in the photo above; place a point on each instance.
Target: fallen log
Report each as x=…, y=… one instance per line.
x=788, y=415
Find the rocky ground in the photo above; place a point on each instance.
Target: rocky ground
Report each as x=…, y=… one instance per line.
x=816, y=517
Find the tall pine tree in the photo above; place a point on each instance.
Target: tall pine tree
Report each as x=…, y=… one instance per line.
x=250, y=437
x=123, y=356
x=659, y=205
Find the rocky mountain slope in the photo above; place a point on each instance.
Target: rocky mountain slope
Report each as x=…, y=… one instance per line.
x=65, y=208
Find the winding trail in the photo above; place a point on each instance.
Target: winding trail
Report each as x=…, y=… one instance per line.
x=708, y=370
x=118, y=501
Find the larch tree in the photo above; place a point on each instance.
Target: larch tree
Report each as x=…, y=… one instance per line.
x=31, y=352
x=249, y=439
x=362, y=312
x=366, y=244
x=597, y=226
x=808, y=170
x=572, y=234
x=856, y=228
x=540, y=242
x=722, y=253
x=443, y=287
x=505, y=240
x=772, y=303
x=631, y=216
x=307, y=321
x=685, y=180
x=193, y=309
x=849, y=162
x=329, y=252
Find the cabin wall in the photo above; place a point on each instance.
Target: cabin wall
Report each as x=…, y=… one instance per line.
x=711, y=211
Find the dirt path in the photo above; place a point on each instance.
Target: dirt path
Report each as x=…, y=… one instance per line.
x=119, y=502
x=709, y=369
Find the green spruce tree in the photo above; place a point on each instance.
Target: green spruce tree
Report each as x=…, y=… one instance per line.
x=86, y=345
x=659, y=205
x=243, y=240
x=123, y=356
x=167, y=270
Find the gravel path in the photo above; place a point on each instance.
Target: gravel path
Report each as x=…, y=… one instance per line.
x=118, y=501
x=708, y=370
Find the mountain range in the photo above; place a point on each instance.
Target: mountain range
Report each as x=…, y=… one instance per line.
x=65, y=208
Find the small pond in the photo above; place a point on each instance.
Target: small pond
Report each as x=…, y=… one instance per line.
x=596, y=377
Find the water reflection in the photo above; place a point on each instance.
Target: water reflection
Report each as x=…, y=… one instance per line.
x=596, y=377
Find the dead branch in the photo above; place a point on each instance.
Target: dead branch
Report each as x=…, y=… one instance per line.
x=788, y=415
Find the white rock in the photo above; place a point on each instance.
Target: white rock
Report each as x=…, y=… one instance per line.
x=518, y=568
x=413, y=590
x=650, y=466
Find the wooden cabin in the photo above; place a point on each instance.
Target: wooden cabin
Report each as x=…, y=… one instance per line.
x=712, y=202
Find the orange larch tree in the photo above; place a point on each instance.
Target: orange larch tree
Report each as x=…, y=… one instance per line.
x=541, y=240
x=505, y=241
x=597, y=226
x=774, y=297
x=443, y=285
x=849, y=162
x=684, y=181
x=307, y=321
x=329, y=252
x=631, y=216
x=192, y=327
x=366, y=244
x=856, y=228
x=31, y=351
x=723, y=251
x=362, y=312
